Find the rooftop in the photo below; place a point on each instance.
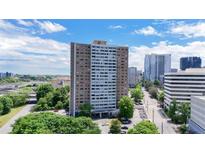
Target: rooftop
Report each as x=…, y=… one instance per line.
x=190, y=71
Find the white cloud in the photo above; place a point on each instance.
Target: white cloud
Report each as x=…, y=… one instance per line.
x=31, y=54
x=189, y=30
x=149, y=30
x=50, y=27
x=24, y=23
x=137, y=53
x=115, y=27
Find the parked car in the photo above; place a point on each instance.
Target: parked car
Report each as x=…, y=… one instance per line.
x=124, y=127
x=123, y=132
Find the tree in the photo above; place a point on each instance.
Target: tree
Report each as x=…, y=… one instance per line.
x=115, y=127
x=153, y=92
x=137, y=93
x=49, y=98
x=183, y=129
x=160, y=97
x=85, y=109
x=157, y=83
x=42, y=105
x=59, y=105
x=51, y=123
x=43, y=89
x=147, y=84
x=7, y=104
x=1, y=108
x=126, y=107
x=172, y=110
x=184, y=109
x=18, y=99
x=144, y=127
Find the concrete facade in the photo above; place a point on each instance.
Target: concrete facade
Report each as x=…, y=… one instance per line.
x=197, y=120
x=184, y=84
x=99, y=76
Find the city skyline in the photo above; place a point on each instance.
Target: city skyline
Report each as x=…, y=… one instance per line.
x=43, y=46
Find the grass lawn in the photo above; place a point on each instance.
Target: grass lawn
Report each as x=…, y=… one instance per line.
x=5, y=118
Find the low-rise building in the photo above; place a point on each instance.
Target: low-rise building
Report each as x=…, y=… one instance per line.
x=197, y=120
x=182, y=85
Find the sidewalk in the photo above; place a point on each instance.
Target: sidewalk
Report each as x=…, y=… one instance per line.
x=7, y=128
x=155, y=114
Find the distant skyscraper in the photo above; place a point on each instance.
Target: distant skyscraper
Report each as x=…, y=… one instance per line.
x=155, y=65
x=99, y=76
x=132, y=76
x=190, y=62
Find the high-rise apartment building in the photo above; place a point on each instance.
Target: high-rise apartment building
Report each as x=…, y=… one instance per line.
x=182, y=85
x=190, y=62
x=156, y=65
x=99, y=76
x=132, y=76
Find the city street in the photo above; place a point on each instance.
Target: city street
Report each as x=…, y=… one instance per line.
x=155, y=114
x=8, y=126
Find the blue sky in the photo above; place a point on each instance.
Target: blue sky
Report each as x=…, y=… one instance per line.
x=43, y=46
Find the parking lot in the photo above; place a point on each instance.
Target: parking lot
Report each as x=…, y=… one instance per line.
x=139, y=115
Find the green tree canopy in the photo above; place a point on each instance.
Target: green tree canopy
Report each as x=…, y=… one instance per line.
x=126, y=107
x=137, y=93
x=51, y=123
x=172, y=110
x=153, y=92
x=144, y=127
x=157, y=83
x=147, y=84
x=115, y=127
x=184, y=109
x=42, y=105
x=85, y=109
x=7, y=104
x=43, y=89
x=1, y=108
x=160, y=96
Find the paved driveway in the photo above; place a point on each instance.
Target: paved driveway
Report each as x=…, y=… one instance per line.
x=8, y=126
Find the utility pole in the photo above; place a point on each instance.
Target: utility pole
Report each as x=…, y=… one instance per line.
x=153, y=115
x=162, y=127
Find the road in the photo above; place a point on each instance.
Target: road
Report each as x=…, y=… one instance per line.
x=154, y=114
x=8, y=126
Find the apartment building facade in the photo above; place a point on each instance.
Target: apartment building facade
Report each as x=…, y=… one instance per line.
x=99, y=76
x=182, y=85
x=156, y=65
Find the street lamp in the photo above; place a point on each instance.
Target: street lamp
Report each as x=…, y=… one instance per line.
x=153, y=115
